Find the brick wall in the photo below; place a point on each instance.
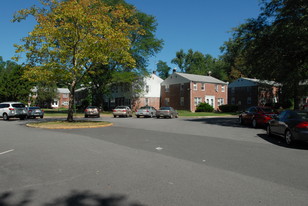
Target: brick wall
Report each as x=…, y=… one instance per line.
x=187, y=92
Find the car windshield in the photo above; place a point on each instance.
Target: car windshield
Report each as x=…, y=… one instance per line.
x=121, y=107
x=165, y=108
x=145, y=107
x=18, y=105
x=92, y=107
x=34, y=108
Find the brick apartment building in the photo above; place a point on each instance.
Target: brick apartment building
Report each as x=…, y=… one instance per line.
x=247, y=92
x=186, y=91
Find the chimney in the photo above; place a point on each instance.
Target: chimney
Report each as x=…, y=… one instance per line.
x=209, y=73
x=174, y=70
x=154, y=72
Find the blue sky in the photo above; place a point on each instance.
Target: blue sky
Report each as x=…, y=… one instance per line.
x=201, y=25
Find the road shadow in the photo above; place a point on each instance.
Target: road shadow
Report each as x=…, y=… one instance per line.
x=75, y=198
x=221, y=121
x=279, y=141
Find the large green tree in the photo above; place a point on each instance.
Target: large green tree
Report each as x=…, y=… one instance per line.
x=274, y=46
x=195, y=62
x=74, y=35
x=143, y=46
x=13, y=87
x=163, y=69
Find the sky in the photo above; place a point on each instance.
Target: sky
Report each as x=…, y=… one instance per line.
x=200, y=25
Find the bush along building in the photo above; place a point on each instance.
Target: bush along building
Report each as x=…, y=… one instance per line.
x=186, y=91
x=247, y=92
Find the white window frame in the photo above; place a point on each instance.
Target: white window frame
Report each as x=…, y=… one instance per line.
x=202, y=86
x=167, y=89
x=195, y=86
x=222, y=88
x=167, y=101
x=197, y=100
x=216, y=87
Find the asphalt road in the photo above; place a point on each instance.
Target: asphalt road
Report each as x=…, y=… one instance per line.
x=157, y=162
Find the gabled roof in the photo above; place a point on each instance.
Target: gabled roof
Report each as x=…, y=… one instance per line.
x=200, y=78
x=178, y=77
x=63, y=90
x=248, y=82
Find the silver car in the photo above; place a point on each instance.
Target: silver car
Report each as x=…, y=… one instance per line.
x=123, y=111
x=13, y=110
x=167, y=112
x=92, y=111
x=146, y=111
x=33, y=112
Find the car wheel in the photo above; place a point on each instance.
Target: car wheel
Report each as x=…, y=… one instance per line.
x=21, y=118
x=5, y=117
x=157, y=117
x=138, y=116
x=41, y=117
x=85, y=116
x=288, y=137
x=268, y=131
x=98, y=116
x=114, y=116
x=254, y=123
x=171, y=116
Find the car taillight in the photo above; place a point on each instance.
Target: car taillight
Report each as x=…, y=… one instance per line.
x=42, y=110
x=124, y=110
x=114, y=110
x=302, y=125
x=30, y=111
x=147, y=110
x=11, y=109
x=85, y=110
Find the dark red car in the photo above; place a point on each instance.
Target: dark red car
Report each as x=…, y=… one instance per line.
x=256, y=116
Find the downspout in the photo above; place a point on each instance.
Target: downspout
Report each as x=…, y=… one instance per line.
x=190, y=93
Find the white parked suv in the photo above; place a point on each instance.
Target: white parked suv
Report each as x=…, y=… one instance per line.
x=13, y=110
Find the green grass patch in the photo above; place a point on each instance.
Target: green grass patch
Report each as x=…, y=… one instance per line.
x=185, y=113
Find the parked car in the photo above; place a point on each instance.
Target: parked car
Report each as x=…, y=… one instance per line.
x=92, y=111
x=256, y=116
x=33, y=112
x=123, y=111
x=146, y=111
x=13, y=110
x=292, y=125
x=167, y=112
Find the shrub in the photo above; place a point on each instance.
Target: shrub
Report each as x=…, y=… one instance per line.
x=204, y=107
x=228, y=108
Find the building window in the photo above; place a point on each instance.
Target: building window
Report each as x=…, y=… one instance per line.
x=248, y=100
x=166, y=88
x=182, y=101
x=167, y=101
x=65, y=95
x=203, y=86
x=216, y=87
x=146, y=101
x=233, y=100
x=220, y=101
x=222, y=88
x=147, y=88
x=197, y=101
x=233, y=90
x=195, y=86
x=182, y=87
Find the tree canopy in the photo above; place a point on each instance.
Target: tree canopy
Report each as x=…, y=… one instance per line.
x=273, y=46
x=13, y=87
x=72, y=36
x=195, y=62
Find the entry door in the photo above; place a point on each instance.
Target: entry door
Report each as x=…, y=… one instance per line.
x=210, y=100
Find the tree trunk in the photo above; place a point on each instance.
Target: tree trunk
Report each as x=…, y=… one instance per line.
x=70, y=114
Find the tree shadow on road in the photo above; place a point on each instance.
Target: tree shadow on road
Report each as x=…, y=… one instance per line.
x=221, y=121
x=75, y=198
x=279, y=141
